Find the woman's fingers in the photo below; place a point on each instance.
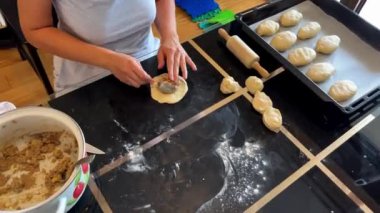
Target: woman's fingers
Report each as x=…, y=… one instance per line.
x=183, y=66
x=176, y=59
x=134, y=79
x=129, y=70
x=170, y=64
x=177, y=64
x=191, y=63
x=160, y=59
x=128, y=80
x=142, y=75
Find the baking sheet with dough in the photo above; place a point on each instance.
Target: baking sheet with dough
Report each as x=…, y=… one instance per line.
x=354, y=60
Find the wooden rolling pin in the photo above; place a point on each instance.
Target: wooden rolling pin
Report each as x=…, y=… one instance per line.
x=242, y=51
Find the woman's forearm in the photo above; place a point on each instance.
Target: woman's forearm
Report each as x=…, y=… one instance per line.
x=165, y=19
x=62, y=44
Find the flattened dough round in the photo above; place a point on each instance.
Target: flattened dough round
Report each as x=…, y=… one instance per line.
x=267, y=28
x=229, y=85
x=302, y=56
x=172, y=98
x=290, y=18
x=283, y=41
x=261, y=102
x=328, y=44
x=309, y=30
x=272, y=119
x=254, y=84
x=343, y=90
x=320, y=72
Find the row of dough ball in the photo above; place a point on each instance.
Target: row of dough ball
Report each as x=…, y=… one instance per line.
x=305, y=55
x=262, y=103
x=253, y=84
x=270, y=27
x=271, y=117
x=286, y=39
x=288, y=19
x=340, y=90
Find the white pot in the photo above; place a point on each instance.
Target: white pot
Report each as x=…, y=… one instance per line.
x=27, y=120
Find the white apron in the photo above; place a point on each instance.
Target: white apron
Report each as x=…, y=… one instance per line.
x=120, y=25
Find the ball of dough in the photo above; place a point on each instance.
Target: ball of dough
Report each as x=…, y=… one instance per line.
x=261, y=102
x=328, y=44
x=283, y=41
x=302, y=56
x=320, y=72
x=290, y=18
x=169, y=98
x=309, y=30
x=272, y=119
x=254, y=84
x=229, y=85
x=343, y=90
x=267, y=28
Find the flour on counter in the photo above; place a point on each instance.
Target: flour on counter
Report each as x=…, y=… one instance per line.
x=245, y=176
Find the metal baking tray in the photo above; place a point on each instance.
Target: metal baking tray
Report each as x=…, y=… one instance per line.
x=357, y=58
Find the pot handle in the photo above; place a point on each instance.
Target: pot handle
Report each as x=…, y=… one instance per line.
x=6, y=106
x=61, y=208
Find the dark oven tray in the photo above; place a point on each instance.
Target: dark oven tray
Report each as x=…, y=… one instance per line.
x=365, y=69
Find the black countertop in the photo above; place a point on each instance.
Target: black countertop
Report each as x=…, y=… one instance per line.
x=226, y=161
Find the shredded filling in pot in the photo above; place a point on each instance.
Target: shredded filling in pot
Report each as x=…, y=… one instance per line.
x=33, y=167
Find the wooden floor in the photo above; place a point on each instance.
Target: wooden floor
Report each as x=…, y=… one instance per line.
x=20, y=85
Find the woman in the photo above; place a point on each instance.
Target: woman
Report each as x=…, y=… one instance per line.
x=96, y=36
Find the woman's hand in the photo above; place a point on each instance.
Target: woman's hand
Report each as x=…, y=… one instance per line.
x=128, y=70
x=175, y=57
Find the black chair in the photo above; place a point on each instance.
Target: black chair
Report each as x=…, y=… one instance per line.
x=26, y=50
x=6, y=39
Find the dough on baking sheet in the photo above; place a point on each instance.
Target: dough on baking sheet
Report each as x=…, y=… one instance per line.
x=229, y=85
x=302, y=56
x=283, y=41
x=267, y=28
x=320, y=72
x=161, y=95
x=343, y=90
x=254, y=84
x=309, y=30
x=272, y=119
x=290, y=18
x=328, y=44
x=261, y=102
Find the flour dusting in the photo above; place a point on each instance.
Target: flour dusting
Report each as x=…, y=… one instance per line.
x=245, y=176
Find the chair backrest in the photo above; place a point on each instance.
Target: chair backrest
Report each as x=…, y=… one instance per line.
x=10, y=13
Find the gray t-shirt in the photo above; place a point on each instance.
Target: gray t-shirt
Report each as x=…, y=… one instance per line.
x=120, y=25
